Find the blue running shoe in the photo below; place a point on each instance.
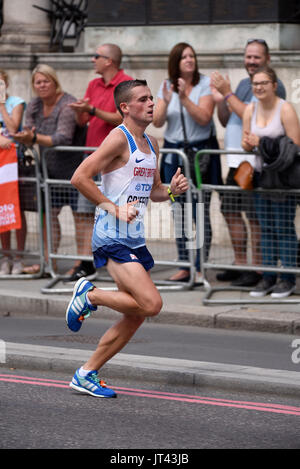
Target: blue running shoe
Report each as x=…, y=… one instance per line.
x=91, y=384
x=78, y=308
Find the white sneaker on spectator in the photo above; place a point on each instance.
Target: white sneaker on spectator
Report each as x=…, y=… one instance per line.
x=283, y=289
x=17, y=267
x=265, y=286
x=5, y=266
x=200, y=280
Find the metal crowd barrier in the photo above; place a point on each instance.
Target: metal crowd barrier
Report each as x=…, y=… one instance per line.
x=38, y=190
x=163, y=250
x=221, y=254
x=30, y=195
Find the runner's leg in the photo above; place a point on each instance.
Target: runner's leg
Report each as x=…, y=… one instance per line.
x=137, y=298
x=137, y=293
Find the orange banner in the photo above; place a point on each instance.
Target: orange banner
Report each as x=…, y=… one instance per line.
x=10, y=217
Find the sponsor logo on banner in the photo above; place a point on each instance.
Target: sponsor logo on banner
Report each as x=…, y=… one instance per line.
x=10, y=217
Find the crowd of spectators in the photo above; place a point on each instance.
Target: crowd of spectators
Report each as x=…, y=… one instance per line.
x=185, y=102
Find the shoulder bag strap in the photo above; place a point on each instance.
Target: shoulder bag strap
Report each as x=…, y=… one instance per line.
x=185, y=141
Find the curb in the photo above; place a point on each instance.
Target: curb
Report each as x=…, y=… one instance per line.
x=249, y=318
x=156, y=369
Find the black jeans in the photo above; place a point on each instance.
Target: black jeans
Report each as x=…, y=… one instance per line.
x=167, y=171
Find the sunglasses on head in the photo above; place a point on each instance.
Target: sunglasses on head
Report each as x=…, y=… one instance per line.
x=260, y=41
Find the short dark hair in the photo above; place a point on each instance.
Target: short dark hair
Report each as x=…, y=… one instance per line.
x=174, y=61
x=122, y=93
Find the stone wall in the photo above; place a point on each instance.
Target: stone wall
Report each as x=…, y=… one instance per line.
x=25, y=34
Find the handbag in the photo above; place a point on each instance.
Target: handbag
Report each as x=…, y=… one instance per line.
x=243, y=175
x=191, y=151
x=27, y=169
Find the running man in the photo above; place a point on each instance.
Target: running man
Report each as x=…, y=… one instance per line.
x=128, y=162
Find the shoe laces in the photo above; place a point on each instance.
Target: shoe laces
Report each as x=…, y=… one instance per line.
x=95, y=378
x=86, y=312
x=84, y=316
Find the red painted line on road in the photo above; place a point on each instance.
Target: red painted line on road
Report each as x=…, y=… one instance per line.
x=48, y=380
x=31, y=381
x=164, y=393
x=214, y=399
x=265, y=407
x=253, y=405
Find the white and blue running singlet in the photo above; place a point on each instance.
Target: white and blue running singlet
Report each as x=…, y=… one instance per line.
x=133, y=181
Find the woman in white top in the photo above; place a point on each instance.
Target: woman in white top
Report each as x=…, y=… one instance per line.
x=188, y=90
x=273, y=117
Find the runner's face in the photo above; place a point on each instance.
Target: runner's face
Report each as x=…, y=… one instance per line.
x=141, y=104
x=255, y=57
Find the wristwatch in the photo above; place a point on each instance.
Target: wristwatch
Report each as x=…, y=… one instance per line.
x=33, y=141
x=92, y=112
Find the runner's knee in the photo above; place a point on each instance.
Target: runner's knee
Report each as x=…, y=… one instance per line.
x=153, y=306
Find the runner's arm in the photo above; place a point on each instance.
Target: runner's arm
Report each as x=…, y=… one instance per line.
x=179, y=183
x=98, y=162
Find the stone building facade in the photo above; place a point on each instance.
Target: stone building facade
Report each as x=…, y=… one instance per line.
x=25, y=35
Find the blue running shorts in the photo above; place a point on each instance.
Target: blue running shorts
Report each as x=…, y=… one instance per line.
x=121, y=253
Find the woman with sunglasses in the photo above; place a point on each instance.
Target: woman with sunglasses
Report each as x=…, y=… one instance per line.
x=188, y=90
x=271, y=116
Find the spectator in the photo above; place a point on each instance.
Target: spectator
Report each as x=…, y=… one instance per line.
x=188, y=88
x=273, y=117
x=10, y=120
x=230, y=108
x=98, y=110
x=50, y=122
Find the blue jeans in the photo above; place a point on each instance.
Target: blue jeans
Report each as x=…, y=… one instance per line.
x=278, y=233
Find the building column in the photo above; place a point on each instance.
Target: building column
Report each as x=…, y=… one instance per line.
x=25, y=29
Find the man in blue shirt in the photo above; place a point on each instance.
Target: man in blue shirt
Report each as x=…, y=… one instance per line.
x=230, y=107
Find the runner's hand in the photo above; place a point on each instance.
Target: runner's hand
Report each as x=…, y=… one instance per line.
x=128, y=212
x=179, y=183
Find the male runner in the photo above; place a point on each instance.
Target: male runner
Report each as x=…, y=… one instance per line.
x=98, y=110
x=127, y=161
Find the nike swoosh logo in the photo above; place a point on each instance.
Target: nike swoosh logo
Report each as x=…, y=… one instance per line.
x=139, y=161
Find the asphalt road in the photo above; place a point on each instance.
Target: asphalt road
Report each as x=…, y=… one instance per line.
x=39, y=410
x=266, y=350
